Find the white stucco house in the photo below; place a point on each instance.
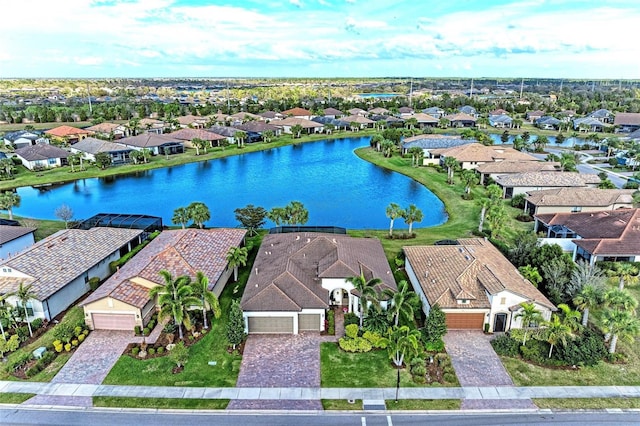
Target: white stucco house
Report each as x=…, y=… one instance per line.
x=14, y=239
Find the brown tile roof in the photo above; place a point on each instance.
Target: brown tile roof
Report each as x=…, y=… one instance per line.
x=181, y=252
x=297, y=112
x=41, y=151
x=292, y=121
x=190, y=119
x=461, y=116
x=147, y=140
x=150, y=121
x=332, y=111
x=104, y=127
x=356, y=111
x=476, y=152
x=611, y=232
x=270, y=115
x=256, y=126
x=467, y=271
x=190, y=134
x=62, y=131
x=627, y=118
x=94, y=146
x=245, y=116
x=514, y=166
x=10, y=233
x=62, y=257
x=131, y=293
x=423, y=118
x=357, y=119
x=548, y=179
x=288, y=270
x=378, y=111
x=580, y=197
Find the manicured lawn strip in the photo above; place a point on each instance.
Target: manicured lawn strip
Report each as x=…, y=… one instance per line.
x=73, y=316
x=339, y=369
x=26, y=177
x=586, y=403
x=341, y=404
x=212, y=347
x=15, y=398
x=171, y=403
x=423, y=404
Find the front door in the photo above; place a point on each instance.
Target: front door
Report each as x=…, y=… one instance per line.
x=500, y=323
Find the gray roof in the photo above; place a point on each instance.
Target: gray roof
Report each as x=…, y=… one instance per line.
x=95, y=146
x=333, y=121
x=225, y=131
x=548, y=120
x=22, y=134
x=589, y=121
x=503, y=118
x=547, y=179
x=467, y=109
x=148, y=140
x=10, y=233
x=41, y=151
x=433, y=141
x=601, y=113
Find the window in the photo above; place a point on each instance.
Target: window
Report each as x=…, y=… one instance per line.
x=576, y=209
x=52, y=161
x=29, y=308
x=503, y=300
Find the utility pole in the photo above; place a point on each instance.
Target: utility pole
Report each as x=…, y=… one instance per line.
x=410, y=92
x=471, y=91
x=521, y=87
x=89, y=96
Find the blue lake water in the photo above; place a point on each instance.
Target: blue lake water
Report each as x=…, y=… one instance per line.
x=378, y=95
x=569, y=142
x=337, y=187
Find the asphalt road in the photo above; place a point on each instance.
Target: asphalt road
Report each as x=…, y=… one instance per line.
x=97, y=417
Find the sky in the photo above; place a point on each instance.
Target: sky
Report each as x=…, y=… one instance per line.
x=320, y=38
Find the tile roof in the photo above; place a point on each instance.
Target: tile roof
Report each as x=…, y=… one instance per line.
x=297, y=111
x=190, y=119
x=41, y=151
x=476, y=152
x=433, y=141
x=421, y=117
x=288, y=267
x=467, y=271
x=19, y=134
x=104, y=127
x=356, y=111
x=548, y=179
x=181, y=252
x=225, y=131
x=360, y=119
x=60, y=258
x=190, y=134
x=10, y=233
x=627, y=118
x=514, y=166
x=245, y=116
x=378, y=111
x=594, y=197
x=611, y=232
x=256, y=126
x=332, y=111
x=148, y=140
x=588, y=121
x=461, y=116
x=94, y=146
x=62, y=131
x=405, y=110
x=292, y=121
x=270, y=114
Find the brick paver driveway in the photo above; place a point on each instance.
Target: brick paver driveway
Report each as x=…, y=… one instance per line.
x=477, y=364
x=281, y=361
x=89, y=364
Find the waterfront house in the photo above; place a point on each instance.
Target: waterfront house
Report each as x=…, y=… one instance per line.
x=574, y=200
x=14, y=239
x=521, y=183
x=90, y=147
x=42, y=156
x=67, y=134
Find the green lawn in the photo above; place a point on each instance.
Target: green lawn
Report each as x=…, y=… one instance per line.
x=44, y=227
x=166, y=403
x=586, y=403
x=341, y=404
x=15, y=398
x=423, y=404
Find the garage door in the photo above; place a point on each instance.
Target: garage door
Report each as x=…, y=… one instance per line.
x=309, y=322
x=464, y=321
x=113, y=321
x=270, y=325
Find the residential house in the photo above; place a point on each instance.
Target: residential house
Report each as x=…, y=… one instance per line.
x=42, y=156
x=361, y=122
x=270, y=115
x=473, y=283
x=588, y=124
x=634, y=136
x=429, y=143
x=298, y=113
x=611, y=235
x=573, y=200
x=157, y=143
x=566, y=115
x=379, y=111
x=521, y=183
x=510, y=167
x=333, y=113
x=532, y=116
x=188, y=135
x=500, y=121
x=338, y=124
x=627, y=122
x=547, y=123
x=23, y=138
x=424, y=120
x=67, y=134
x=58, y=268
x=108, y=131
x=192, y=121
x=461, y=120
x=123, y=301
x=435, y=112
x=358, y=111
x=471, y=155
x=296, y=277
x=499, y=111
x=469, y=110
x=258, y=128
x=89, y=147
x=308, y=126
x=14, y=239
x=406, y=111
x=152, y=125
x=228, y=132
x=603, y=115
x=244, y=117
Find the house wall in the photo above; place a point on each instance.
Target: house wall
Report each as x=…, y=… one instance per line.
x=65, y=297
x=417, y=288
x=36, y=305
x=40, y=163
x=502, y=301
x=570, y=209
x=108, y=305
x=222, y=281
x=12, y=247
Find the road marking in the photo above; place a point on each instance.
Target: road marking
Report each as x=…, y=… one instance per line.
x=364, y=421
x=389, y=422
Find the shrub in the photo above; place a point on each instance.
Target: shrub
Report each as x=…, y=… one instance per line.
x=358, y=344
x=506, y=345
x=377, y=321
x=22, y=332
x=160, y=350
x=137, y=330
x=135, y=350
x=58, y=347
x=351, y=331
x=435, y=346
x=449, y=377
x=518, y=201
x=76, y=342
x=67, y=347
x=37, y=323
x=151, y=325
x=376, y=340
x=151, y=351
x=486, y=327
x=145, y=331
x=94, y=283
x=536, y=351
x=19, y=361
x=587, y=349
x=331, y=322
x=63, y=332
x=170, y=328
x=351, y=318
x=77, y=330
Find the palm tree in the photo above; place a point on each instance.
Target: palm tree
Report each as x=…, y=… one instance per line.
x=402, y=302
x=240, y=137
x=627, y=274
x=529, y=314
x=296, y=213
x=366, y=289
x=174, y=298
x=402, y=342
x=237, y=256
x=146, y=154
x=199, y=213
x=416, y=153
x=556, y=331
x=412, y=214
x=9, y=200
x=5, y=312
x=394, y=211
x=267, y=136
x=620, y=324
x=199, y=144
x=24, y=295
x=387, y=147
x=621, y=300
x=296, y=130
x=451, y=164
x=443, y=123
x=469, y=178
x=590, y=297
x=208, y=299
x=181, y=216
x=570, y=317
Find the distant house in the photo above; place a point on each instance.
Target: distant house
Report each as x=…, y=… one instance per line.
x=296, y=277
x=108, y=130
x=270, y=115
x=259, y=127
x=188, y=135
x=227, y=131
x=627, y=122
x=14, y=239
x=361, y=121
x=429, y=143
x=337, y=123
x=435, y=112
x=22, y=138
x=333, y=113
x=358, y=111
x=298, y=113
x=424, y=120
x=406, y=111
x=67, y=134
x=157, y=143
x=192, y=121
x=151, y=125
x=42, y=156
x=461, y=120
x=508, y=167
x=308, y=126
x=473, y=284
x=588, y=124
x=89, y=147
x=469, y=110
x=547, y=123
x=499, y=111
x=123, y=301
x=574, y=200
x=379, y=111
x=59, y=267
x=521, y=183
x=243, y=117
x=472, y=155
x=603, y=115
x=500, y=121
x=532, y=116
x=612, y=235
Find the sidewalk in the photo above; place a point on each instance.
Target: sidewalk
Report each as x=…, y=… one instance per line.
x=473, y=392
